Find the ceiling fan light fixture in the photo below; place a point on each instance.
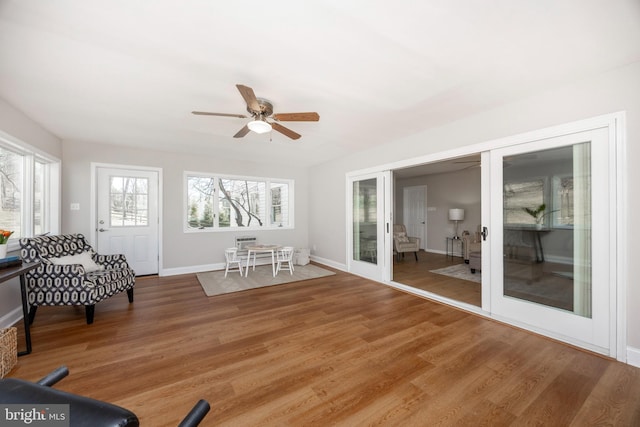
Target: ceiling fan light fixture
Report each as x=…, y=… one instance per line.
x=259, y=126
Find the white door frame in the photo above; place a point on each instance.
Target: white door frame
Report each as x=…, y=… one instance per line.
x=616, y=125
x=93, y=238
x=380, y=271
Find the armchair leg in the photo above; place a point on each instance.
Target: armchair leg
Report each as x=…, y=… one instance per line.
x=416, y=255
x=32, y=313
x=130, y=295
x=89, y=310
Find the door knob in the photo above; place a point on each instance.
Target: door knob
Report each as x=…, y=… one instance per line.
x=102, y=230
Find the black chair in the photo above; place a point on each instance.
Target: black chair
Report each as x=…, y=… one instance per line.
x=83, y=411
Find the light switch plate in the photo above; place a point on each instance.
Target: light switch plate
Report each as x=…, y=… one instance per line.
x=75, y=206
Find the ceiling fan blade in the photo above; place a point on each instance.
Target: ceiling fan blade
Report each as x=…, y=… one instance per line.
x=297, y=117
x=285, y=131
x=249, y=97
x=242, y=132
x=206, y=113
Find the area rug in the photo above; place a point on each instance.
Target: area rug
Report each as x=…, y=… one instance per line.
x=214, y=282
x=459, y=271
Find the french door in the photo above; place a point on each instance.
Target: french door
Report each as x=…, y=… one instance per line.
x=369, y=224
x=552, y=237
x=127, y=212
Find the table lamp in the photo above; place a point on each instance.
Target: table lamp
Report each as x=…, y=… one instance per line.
x=456, y=215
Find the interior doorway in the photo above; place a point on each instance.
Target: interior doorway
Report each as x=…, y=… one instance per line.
x=426, y=193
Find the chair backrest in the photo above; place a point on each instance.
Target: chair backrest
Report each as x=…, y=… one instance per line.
x=231, y=254
x=286, y=253
x=41, y=248
x=399, y=228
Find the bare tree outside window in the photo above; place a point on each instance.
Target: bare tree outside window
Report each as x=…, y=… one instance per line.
x=238, y=202
x=245, y=200
x=11, y=191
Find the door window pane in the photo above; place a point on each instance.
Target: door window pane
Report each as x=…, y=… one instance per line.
x=547, y=231
x=128, y=201
x=365, y=221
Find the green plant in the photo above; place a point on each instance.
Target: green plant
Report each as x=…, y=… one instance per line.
x=538, y=213
x=4, y=236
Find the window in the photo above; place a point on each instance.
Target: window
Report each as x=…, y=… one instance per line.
x=224, y=202
x=29, y=191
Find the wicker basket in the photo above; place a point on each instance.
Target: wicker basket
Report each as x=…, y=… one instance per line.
x=8, y=350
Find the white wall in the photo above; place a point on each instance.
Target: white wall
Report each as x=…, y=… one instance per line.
x=617, y=90
x=445, y=191
x=180, y=250
x=15, y=124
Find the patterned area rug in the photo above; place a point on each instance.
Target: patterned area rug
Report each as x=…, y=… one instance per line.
x=214, y=282
x=459, y=271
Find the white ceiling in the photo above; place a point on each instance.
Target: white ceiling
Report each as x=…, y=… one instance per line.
x=130, y=72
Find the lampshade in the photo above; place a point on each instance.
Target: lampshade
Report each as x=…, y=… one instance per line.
x=456, y=214
x=259, y=126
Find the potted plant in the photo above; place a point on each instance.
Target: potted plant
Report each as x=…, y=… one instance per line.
x=4, y=239
x=538, y=214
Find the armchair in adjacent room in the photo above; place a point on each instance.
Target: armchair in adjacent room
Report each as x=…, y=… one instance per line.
x=403, y=243
x=472, y=245
x=72, y=273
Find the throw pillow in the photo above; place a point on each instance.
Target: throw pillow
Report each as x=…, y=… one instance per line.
x=403, y=239
x=83, y=258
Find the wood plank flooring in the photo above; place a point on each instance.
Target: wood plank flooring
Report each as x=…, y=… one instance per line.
x=418, y=275
x=340, y=350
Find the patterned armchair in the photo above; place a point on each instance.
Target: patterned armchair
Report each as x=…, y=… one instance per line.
x=72, y=273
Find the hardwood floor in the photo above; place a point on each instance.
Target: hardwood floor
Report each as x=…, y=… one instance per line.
x=418, y=275
x=339, y=350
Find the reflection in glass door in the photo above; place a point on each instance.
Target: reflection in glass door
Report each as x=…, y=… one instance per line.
x=554, y=270
x=547, y=207
x=365, y=219
x=368, y=224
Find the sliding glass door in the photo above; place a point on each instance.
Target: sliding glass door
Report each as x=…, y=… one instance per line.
x=368, y=234
x=551, y=245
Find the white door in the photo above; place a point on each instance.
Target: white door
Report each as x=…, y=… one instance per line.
x=414, y=212
x=369, y=226
x=552, y=238
x=127, y=216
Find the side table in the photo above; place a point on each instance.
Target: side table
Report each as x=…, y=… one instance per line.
x=9, y=273
x=451, y=243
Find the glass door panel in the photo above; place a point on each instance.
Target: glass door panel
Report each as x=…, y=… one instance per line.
x=368, y=224
x=365, y=221
x=553, y=272
x=548, y=208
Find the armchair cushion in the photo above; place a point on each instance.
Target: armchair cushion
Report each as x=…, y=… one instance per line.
x=84, y=258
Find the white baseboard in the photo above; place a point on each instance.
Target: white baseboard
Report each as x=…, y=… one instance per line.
x=11, y=318
x=633, y=356
x=206, y=267
x=329, y=263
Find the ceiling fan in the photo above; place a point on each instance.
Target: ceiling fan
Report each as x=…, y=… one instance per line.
x=260, y=110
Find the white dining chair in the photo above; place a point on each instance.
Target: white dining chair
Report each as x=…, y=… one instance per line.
x=285, y=259
x=234, y=263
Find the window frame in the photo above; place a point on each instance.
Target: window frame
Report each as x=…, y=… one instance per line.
x=268, y=225
x=51, y=185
